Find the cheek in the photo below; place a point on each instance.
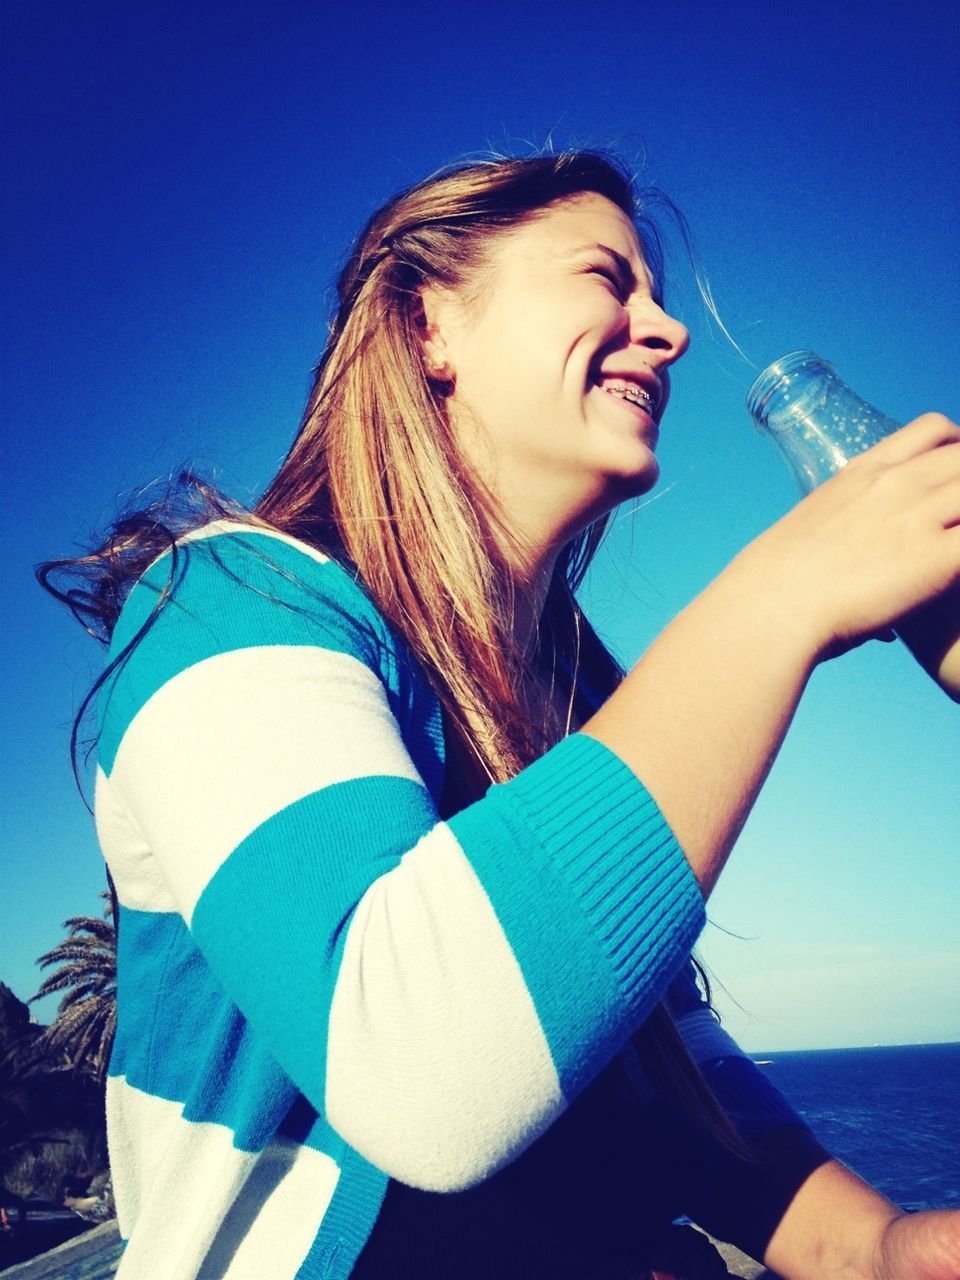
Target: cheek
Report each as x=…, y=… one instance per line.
x=514, y=367
x=517, y=366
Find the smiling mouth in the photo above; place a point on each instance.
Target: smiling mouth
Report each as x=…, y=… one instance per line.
x=638, y=390
x=630, y=392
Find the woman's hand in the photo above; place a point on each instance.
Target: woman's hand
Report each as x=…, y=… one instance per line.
x=701, y=716
x=920, y=1246
x=875, y=541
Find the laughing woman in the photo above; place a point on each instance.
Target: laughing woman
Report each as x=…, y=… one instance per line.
x=408, y=871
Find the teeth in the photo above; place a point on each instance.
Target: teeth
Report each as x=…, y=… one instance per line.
x=629, y=391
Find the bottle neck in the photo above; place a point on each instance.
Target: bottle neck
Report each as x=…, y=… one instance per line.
x=816, y=420
x=788, y=392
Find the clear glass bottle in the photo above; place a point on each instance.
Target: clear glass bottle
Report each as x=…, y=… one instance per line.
x=819, y=424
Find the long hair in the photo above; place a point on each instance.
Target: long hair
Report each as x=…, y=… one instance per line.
x=375, y=467
x=374, y=477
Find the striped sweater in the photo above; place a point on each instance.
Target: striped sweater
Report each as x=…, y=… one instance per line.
x=321, y=984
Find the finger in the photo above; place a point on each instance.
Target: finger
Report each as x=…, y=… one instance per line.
x=938, y=501
x=933, y=470
x=947, y=561
x=928, y=481
x=927, y=432
x=951, y=545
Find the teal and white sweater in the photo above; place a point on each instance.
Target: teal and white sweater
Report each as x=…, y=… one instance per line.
x=321, y=984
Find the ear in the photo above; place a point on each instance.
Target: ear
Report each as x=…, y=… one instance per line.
x=433, y=313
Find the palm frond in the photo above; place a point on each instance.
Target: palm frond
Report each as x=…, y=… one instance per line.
x=86, y=961
x=98, y=927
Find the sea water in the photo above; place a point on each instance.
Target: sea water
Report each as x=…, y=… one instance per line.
x=891, y=1114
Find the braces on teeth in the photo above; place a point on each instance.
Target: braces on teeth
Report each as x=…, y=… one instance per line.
x=637, y=395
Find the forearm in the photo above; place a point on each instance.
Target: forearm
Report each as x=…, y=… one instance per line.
x=702, y=715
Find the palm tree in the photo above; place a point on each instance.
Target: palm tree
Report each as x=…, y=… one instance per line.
x=86, y=1018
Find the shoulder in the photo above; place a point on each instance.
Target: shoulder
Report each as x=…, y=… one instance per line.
x=239, y=598
x=241, y=583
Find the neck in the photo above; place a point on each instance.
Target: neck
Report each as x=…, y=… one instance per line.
x=532, y=558
x=531, y=584
x=531, y=527
x=531, y=561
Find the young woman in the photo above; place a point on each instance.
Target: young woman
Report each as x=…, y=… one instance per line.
x=408, y=873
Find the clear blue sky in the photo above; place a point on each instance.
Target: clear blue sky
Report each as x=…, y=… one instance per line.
x=181, y=183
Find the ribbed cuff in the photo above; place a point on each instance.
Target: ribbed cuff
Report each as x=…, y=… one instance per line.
x=611, y=845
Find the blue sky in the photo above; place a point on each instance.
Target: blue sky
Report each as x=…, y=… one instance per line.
x=184, y=181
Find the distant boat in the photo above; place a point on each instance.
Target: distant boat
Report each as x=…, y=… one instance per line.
x=763, y=1062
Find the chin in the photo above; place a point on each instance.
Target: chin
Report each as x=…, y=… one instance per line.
x=632, y=482
x=621, y=485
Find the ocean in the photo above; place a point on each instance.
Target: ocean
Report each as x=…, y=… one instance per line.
x=891, y=1114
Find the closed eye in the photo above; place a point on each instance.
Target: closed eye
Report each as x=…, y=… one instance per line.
x=620, y=286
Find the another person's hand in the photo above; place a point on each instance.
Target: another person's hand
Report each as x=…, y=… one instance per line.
x=920, y=1246
x=838, y=1227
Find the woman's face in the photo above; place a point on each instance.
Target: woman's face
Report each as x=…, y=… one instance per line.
x=559, y=368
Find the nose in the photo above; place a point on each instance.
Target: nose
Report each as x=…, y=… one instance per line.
x=664, y=337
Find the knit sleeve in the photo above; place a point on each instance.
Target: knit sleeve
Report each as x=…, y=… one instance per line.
x=440, y=991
